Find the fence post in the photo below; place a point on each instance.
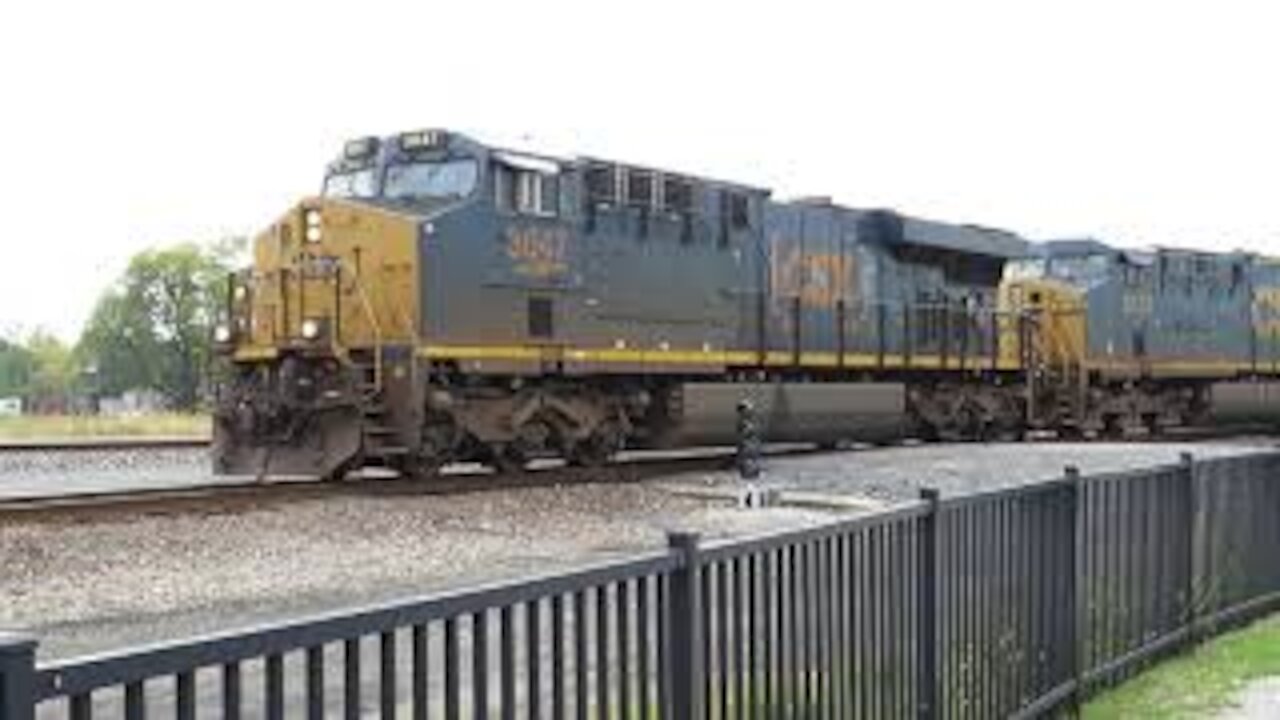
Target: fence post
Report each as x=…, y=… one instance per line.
x=1079, y=573
x=1195, y=538
x=927, y=608
x=17, y=676
x=688, y=667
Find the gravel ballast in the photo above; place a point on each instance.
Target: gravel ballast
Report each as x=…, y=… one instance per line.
x=103, y=584
x=87, y=586
x=40, y=473
x=896, y=474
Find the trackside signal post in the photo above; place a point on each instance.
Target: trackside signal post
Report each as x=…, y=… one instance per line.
x=749, y=441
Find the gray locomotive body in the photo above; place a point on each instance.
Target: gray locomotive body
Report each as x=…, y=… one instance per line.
x=448, y=300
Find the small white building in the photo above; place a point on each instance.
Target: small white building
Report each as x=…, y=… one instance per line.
x=132, y=402
x=10, y=406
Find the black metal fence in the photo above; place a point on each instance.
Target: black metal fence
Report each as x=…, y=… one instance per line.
x=1017, y=603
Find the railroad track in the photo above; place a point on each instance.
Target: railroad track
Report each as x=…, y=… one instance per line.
x=126, y=443
x=102, y=443
x=236, y=495
x=239, y=495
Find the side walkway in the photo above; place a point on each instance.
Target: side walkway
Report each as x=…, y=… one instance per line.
x=1233, y=677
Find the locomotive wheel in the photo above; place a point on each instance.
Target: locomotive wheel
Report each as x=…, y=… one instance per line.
x=1070, y=432
x=1151, y=422
x=589, y=454
x=534, y=438
x=599, y=448
x=440, y=438
x=1112, y=427
x=971, y=423
x=506, y=459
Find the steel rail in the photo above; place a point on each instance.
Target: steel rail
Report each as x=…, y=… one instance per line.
x=176, y=442
x=123, y=443
x=234, y=495
x=231, y=496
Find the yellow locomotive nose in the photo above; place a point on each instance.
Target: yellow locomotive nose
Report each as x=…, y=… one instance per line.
x=1043, y=327
x=331, y=294
x=329, y=274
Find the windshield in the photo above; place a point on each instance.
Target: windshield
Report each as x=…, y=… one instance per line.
x=437, y=179
x=1026, y=269
x=356, y=183
x=1086, y=271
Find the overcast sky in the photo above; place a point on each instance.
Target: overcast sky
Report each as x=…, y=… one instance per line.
x=133, y=124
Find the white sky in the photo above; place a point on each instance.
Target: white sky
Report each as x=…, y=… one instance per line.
x=130, y=124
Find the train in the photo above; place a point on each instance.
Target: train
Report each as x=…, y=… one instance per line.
x=443, y=300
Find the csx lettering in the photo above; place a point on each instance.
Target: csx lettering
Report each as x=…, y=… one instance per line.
x=818, y=279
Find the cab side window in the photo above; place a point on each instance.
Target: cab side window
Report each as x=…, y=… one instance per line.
x=504, y=187
x=536, y=194
x=525, y=190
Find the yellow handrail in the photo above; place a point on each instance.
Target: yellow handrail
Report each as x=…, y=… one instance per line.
x=414, y=330
x=373, y=323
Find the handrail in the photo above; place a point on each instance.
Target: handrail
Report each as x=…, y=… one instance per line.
x=1070, y=351
x=373, y=323
x=415, y=330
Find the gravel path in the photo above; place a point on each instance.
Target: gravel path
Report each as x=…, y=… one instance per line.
x=1259, y=700
x=37, y=473
x=94, y=585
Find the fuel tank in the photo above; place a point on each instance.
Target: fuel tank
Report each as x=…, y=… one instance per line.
x=707, y=413
x=1245, y=402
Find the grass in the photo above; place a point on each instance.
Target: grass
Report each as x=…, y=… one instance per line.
x=58, y=427
x=1200, y=683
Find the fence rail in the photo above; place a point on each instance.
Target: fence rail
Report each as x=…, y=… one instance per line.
x=1015, y=603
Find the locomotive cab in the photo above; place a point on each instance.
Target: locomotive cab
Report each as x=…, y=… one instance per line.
x=320, y=332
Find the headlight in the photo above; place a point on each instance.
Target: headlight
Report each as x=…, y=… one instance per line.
x=222, y=334
x=240, y=293
x=310, y=329
x=313, y=225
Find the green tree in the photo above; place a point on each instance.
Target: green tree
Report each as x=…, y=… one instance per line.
x=16, y=368
x=53, y=378
x=152, y=328
x=117, y=347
